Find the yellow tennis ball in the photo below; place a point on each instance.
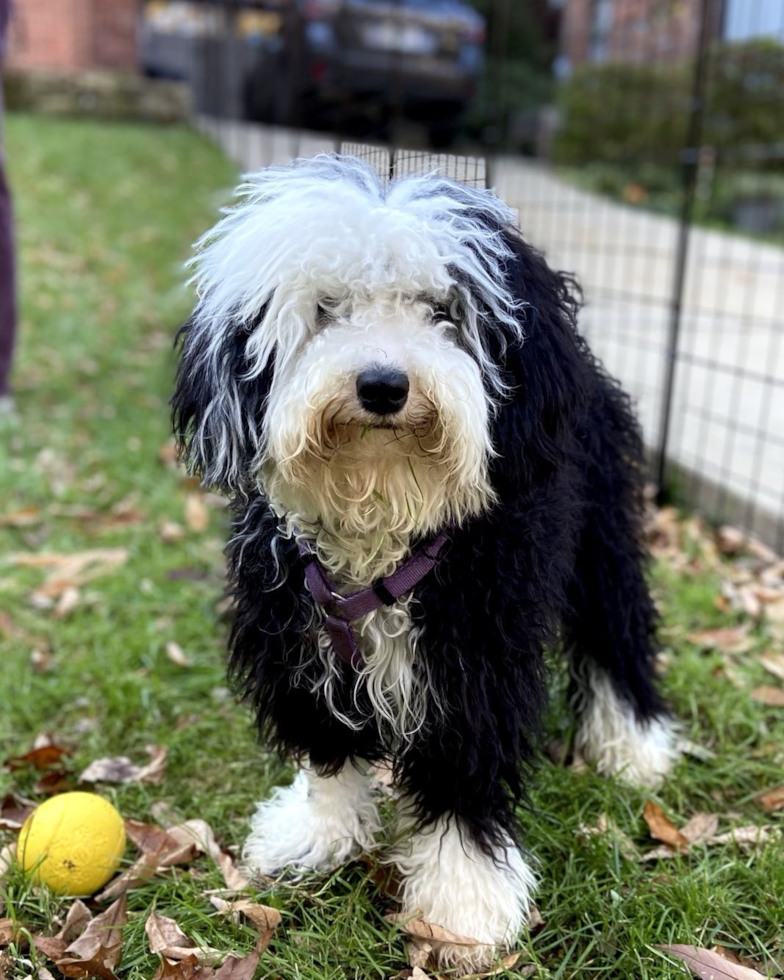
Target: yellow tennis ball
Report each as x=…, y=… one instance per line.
x=73, y=842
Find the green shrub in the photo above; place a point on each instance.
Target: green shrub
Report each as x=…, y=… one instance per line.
x=627, y=114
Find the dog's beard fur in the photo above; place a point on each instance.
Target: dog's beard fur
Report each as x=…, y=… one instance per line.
x=364, y=487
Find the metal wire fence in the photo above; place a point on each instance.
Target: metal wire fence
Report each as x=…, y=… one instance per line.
x=638, y=140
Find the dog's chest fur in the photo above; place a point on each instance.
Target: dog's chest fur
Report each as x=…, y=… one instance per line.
x=394, y=677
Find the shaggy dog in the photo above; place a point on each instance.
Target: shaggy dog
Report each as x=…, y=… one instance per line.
x=435, y=483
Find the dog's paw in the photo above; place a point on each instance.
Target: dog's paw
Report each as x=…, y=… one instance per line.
x=466, y=892
x=639, y=753
x=315, y=824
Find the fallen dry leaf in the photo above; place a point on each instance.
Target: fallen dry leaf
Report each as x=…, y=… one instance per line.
x=166, y=937
x=711, y=966
x=748, y=836
x=700, y=828
x=76, y=921
x=771, y=800
x=264, y=918
x=197, y=516
x=14, y=810
x=96, y=953
x=176, y=654
x=41, y=757
x=120, y=769
x=774, y=664
x=730, y=639
x=732, y=956
x=422, y=928
x=7, y=858
x=7, y=931
x=771, y=697
x=70, y=570
x=662, y=828
x=170, y=532
x=68, y=601
x=24, y=517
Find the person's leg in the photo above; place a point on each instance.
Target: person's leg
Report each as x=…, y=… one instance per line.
x=7, y=278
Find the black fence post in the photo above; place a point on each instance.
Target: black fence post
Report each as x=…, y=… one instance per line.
x=690, y=157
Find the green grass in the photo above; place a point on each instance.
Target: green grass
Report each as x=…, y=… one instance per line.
x=106, y=214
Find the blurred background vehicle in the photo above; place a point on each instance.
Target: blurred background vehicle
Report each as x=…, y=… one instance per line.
x=323, y=63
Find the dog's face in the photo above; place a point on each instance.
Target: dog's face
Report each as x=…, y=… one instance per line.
x=338, y=357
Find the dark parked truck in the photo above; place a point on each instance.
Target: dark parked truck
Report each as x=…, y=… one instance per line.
x=304, y=61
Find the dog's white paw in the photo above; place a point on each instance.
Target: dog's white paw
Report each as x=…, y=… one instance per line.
x=610, y=736
x=315, y=824
x=457, y=886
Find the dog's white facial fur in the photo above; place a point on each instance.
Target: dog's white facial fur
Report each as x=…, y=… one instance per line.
x=326, y=276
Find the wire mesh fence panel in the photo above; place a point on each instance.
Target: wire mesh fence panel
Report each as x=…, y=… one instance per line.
x=638, y=142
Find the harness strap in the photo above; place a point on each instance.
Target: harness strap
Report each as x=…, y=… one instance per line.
x=342, y=610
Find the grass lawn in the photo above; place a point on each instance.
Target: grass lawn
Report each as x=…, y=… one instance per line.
x=106, y=214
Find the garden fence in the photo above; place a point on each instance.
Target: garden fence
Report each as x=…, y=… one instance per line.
x=651, y=166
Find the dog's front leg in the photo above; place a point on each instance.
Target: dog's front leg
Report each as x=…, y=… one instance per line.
x=480, y=893
x=315, y=824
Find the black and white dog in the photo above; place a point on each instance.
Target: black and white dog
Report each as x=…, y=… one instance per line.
x=436, y=482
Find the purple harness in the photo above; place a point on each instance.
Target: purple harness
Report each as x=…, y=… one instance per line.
x=341, y=610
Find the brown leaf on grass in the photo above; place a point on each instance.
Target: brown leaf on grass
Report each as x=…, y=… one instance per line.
x=422, y=928
x=771, y=697
x=41, y=659
x=24, y=517
x=241, y=967
x=264, y=918
x=68, y=601
x=732, y=956
x=76, y=921
x=187, y=969
x=7, y=931
x=418, y=952
x=166, y=937
x=54, y=782
x=7, y=858
x=96, y=953
x=662, y=828
x=14, y=810
x=169, y=455
x=235, y=880
x=700, y=828
x=176, y=654
x=151, y=839
x=711, y=966
x=42, y=757
x=120, y=769
x=8, y=627
x=729, y=639
x=170, y=532
x=70, y=570
x=774, y=664
x=730, y=540
x=748, y=836
x=772, y=799
x=197, y=516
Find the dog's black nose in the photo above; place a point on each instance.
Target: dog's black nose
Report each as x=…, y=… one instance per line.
x=382, y=391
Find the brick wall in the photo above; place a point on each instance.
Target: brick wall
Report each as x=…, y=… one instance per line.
x=71, y=35
x=640, y=30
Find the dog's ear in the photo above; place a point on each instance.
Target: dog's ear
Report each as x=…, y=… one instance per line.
x=218, y=403
x=546, y=366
